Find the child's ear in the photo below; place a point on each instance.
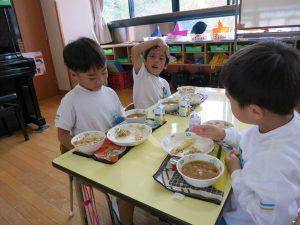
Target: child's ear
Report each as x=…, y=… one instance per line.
x=256, y=111
x=73, y=73
x=166, y=66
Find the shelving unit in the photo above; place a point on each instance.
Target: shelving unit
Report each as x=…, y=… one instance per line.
x=191, y=56
x=188, y=53
x=119, y=52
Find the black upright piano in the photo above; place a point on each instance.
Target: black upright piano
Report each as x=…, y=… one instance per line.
x=16, y=72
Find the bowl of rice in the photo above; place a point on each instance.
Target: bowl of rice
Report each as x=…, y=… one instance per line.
x=89, y=141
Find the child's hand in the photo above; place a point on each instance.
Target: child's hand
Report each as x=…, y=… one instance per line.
x=232, y=161
x=209, y=131
x=162, y=45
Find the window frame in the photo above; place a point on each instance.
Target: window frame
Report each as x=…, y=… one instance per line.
x=175, y=15
x=221, y=11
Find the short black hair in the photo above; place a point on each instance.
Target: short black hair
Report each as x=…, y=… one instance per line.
x=266, y=74
x=146, y=53
x=83, y=54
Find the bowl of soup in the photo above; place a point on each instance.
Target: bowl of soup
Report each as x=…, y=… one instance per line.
x=136, y=116
x=89, y=141
x=170, y=104
x=200, y=170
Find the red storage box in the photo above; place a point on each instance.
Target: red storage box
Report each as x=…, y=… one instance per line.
x=120, y=80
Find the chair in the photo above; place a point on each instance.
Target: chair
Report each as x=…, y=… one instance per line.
x=63, y=150
x=9, y=106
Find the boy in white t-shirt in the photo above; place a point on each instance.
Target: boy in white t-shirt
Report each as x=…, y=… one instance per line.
x=90, y=105
x=148, y=87
x=262, y=83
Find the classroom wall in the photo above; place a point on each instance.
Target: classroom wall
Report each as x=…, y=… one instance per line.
x=56, y=45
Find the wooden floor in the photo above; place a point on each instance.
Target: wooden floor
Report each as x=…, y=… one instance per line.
x=34, y=192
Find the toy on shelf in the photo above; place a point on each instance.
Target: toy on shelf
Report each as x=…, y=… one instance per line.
x=177, y=35
x=221, y=32
x=218, y=59
x=155, y=34
x=197, y=33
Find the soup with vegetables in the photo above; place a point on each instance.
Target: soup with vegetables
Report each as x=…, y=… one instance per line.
x=170, y=103
x=200, y=170
x=136, y=115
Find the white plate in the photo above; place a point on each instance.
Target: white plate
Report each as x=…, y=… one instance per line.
x=204, y=144
x=219, y=123
x=138, y=134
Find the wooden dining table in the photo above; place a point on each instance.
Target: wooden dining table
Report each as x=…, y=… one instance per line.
x=131, y=179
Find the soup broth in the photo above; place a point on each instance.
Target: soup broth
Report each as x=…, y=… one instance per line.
x=200, y=170
x=170, y=103
x=136, y=115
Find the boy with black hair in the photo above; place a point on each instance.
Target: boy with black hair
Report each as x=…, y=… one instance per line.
x=262, y=83
x=148, y=87
x=89, y=105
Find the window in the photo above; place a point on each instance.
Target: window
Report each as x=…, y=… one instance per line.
x=124, y=9
x=116, y=9
x=152, y=7
x=197, y=4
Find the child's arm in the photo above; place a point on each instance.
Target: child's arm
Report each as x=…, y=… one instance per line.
x=264, y=192
x=139, y=49
x=210, y=131
x=230, y=135
x=233, y=137
x=64, y=138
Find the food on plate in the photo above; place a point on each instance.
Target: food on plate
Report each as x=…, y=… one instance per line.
x=122, y=132
x=138, y=135
x=136, y=115
x=185, y=144
x=193, y=150
x=200, y=170
x=88, y=140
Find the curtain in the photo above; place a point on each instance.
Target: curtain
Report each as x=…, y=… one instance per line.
x=100, y=24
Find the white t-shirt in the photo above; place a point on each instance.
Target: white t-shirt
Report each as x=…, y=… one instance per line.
x=82, y=110
x=267, y=189
x=148, y=88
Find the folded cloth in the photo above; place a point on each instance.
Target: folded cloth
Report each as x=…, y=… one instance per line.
x=168, y=176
